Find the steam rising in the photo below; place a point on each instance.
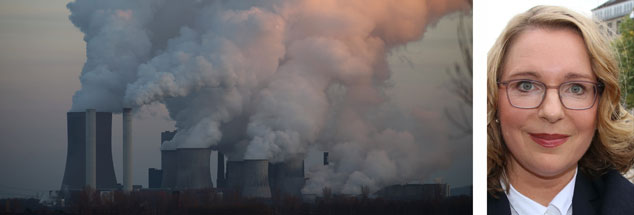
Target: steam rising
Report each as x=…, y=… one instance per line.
x=268, y=79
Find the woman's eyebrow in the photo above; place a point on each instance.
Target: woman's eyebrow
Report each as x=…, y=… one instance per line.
x=524, y=74
x=570, y=76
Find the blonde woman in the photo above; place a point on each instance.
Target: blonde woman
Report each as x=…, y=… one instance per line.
x=557, y=134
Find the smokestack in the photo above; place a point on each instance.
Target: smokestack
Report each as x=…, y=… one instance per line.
x=91, y=148
x=256, y=179
x=192, y=168
x=220, y=182
x=127, y=149
x=325, y=158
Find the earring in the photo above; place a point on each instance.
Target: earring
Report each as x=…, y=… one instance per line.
x=497, y=121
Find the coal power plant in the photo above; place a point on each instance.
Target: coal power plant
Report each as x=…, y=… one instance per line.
x=89, y=163
x=185, y=179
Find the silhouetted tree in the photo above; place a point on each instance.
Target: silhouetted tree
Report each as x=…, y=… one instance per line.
x=462, y=81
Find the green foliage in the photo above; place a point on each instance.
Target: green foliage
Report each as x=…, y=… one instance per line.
x=625, y=51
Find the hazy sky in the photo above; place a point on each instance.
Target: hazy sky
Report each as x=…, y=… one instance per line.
x=41, y=57
x=505, y=10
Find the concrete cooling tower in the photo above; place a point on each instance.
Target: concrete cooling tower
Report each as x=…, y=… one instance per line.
x=75, y=171
x=287, y=178
x=192, y=167
x=249, y=178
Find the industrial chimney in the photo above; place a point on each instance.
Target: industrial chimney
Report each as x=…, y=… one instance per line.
x=75, y=169
x=192, y=168
x=127, y=149
x=91, y=148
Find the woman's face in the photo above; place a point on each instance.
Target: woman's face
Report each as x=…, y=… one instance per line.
x=549, y=139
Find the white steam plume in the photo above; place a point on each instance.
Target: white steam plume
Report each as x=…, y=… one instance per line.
x=278, y=76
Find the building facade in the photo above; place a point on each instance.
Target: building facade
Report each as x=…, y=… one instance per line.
x=611, y=14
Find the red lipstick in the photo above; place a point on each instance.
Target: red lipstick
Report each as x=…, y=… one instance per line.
x=549, y=140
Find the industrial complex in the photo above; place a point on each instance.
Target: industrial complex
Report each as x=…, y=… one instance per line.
x=89, y=164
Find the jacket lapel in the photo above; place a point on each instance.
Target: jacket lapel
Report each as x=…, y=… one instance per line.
x=585, y=200
x=499, y=206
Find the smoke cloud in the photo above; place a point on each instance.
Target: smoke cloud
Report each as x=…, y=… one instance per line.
x=269, y=79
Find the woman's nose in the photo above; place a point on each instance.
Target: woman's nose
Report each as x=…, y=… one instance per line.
x=551, y=109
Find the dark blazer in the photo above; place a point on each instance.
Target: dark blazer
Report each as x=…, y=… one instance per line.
x=609, y=194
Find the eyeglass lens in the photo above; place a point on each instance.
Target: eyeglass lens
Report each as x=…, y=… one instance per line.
x=529, y=94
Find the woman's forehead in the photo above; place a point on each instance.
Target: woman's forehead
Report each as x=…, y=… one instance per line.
x=547, y=53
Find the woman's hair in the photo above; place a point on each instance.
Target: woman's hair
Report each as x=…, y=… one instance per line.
x=613, y=144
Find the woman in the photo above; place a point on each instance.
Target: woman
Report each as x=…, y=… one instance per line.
x=557, y=134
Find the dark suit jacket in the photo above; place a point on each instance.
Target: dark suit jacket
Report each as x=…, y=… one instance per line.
x=610, y=194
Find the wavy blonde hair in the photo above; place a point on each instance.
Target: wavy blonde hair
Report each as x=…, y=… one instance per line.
x=613, y=144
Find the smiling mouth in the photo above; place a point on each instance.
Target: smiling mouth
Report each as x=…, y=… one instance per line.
x=549, y=140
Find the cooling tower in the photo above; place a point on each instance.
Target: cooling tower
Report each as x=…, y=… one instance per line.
x=127, y=149
x=287, y=178
x=192, y=168
x=255, y=179
x=75, y=170
x=168, y=165
x=91, y=148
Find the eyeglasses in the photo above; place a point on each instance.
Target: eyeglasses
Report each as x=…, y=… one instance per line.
x=574, y=95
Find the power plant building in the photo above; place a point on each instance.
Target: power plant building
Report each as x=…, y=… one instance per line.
x=168, y=162
x=154, y=178
x=168, y=168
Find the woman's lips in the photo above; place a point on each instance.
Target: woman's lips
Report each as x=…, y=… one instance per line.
x=549, y=140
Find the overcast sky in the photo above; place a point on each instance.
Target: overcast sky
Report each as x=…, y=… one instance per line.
x=492, y=22
x=41, y=56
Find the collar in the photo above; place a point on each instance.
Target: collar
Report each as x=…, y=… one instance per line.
x=562, y=202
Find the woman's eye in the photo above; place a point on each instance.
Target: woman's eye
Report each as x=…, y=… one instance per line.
x=526, y=86
x=577, y=89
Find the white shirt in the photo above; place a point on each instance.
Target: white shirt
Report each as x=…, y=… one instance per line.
x=560, y=205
